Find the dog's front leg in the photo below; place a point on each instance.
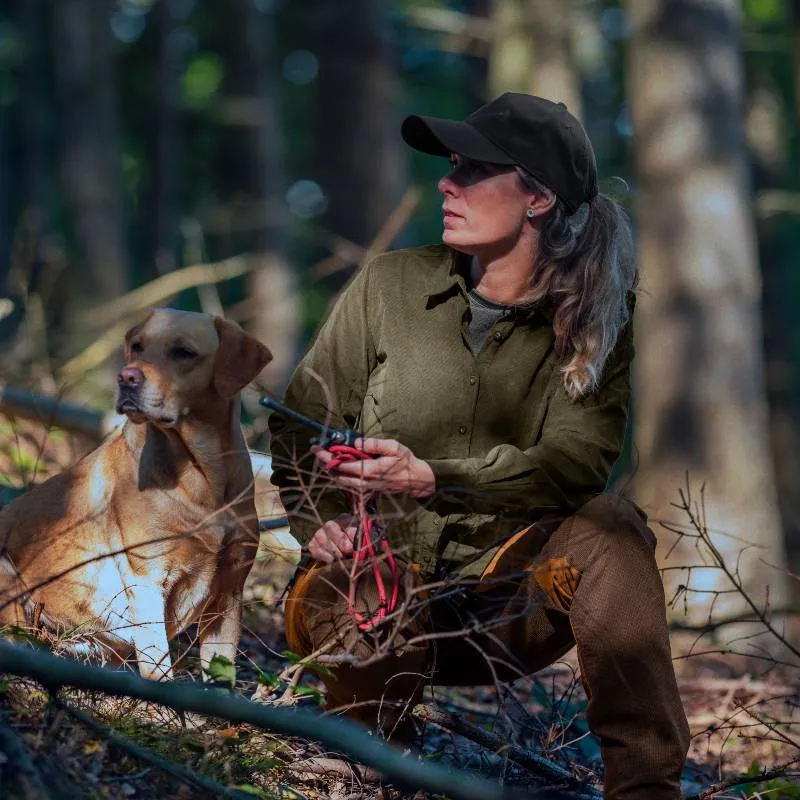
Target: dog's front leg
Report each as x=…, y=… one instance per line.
x=219, y=629
x=149, y=634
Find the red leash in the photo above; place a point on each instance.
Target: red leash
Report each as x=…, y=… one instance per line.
x=368, y=534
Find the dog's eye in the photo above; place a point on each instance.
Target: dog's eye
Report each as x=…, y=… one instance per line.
x=183, y=353
x=136, y=347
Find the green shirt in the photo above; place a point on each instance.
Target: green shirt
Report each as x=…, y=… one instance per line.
x=504, y=440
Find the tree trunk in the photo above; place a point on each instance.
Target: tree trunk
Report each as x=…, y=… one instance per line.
x=699, y=373
x=360, y=160
x=554, y=74
x=476, y=71
x=769, y=139
x=253, y=166
x=511, y=52
x=165, y=144
x=28, y=268
x=91, y=168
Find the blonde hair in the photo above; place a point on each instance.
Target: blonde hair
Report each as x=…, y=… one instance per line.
x=586, y=266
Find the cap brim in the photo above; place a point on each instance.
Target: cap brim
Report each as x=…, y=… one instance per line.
x=441, y=137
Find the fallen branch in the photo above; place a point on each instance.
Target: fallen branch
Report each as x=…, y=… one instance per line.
x=53, y=411
x=341, y=735
x=533, y=762
x=140, y=753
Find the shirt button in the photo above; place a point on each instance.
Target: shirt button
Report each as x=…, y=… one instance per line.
x=462, y=429
x=472, y=380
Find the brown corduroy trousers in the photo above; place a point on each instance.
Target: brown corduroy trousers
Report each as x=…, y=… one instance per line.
x=590, y=579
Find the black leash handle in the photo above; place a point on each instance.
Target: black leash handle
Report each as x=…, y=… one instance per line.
x=327, y=436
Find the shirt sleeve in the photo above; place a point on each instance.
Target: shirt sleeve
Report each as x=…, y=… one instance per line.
x=328, y=386
x=570, y=464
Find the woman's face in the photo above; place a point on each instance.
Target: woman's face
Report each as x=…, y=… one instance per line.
x=484, y=206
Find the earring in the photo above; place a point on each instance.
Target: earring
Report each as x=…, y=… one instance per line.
x=531, y=213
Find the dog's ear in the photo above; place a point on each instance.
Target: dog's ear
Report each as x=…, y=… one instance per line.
x=131, y=333
x=240, y=357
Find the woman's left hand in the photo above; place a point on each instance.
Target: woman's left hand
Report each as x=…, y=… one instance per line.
x=394, y=469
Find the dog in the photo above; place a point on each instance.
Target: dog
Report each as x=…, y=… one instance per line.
x=156, y=529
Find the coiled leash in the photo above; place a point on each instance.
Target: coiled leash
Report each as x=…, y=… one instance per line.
x=340, y=442
x=368, y=534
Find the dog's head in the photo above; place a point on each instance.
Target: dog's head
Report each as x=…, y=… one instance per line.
x=180, y=362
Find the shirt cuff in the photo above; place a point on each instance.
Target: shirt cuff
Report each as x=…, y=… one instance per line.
x=453, y=472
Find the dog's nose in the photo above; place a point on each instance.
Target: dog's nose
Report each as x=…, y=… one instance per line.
x=130, y=376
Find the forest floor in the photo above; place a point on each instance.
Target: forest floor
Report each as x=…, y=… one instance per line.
x=744, y=719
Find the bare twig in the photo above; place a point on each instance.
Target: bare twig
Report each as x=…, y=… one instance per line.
x=697, y=519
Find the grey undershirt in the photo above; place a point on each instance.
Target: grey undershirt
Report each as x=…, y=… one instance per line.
x=485, y=313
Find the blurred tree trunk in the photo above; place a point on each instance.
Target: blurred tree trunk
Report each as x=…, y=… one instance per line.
x=36, y=264
x=33, y=110
x=701, y=401
x=554, y=74
x=360, y=156
x=795, y=20
x=252, y=166
x=531, y=51
x=7, y=183
x=777, y=237
x=165, y=144
x=476, y=77
x=91, y=160
x=511, y=58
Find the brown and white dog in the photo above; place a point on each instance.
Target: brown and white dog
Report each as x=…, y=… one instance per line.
x=156, y=529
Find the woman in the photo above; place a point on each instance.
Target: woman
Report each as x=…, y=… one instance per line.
x=490, y=376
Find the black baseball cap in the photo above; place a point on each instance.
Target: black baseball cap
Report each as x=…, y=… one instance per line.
x=537, y=134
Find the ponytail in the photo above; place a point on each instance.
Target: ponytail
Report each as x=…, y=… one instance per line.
x=586, y=266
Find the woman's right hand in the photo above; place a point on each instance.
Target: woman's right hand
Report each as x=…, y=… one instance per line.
x=334, y=539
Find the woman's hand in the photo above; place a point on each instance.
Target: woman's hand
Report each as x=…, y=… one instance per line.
x=393, y=470
x=334, y=539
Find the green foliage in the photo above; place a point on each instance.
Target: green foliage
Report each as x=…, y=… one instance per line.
x=221, y=670
x=268, y=679
x=765, y=11
x=293, y=657
x=308, y=691
x=315, y=303
x=202, y=79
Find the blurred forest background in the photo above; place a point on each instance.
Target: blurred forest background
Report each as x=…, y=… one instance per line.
x=256, y=143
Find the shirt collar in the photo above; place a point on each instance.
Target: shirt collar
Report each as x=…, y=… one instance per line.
x=451, y=279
